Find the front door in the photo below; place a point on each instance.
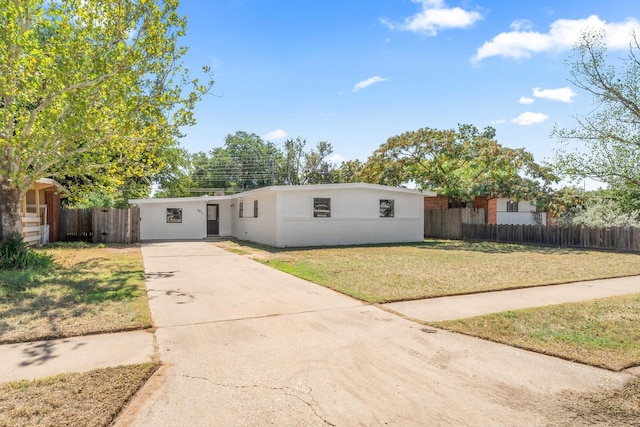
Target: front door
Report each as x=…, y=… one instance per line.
x=213, y=220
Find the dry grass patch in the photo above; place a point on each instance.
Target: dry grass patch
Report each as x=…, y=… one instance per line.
x=623, y=405
x=91, y=289
x=385, y=273
x=601, y=332
x=87, y=399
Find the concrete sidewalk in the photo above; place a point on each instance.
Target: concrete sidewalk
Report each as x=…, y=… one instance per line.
x=461, y=306
x=77, y=354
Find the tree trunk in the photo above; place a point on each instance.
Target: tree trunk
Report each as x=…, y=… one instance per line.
x=10, y=215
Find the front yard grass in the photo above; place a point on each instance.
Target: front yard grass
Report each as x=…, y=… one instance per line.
x=602, y=332
x=82, y=399
x=90, y=289
x=433, y=268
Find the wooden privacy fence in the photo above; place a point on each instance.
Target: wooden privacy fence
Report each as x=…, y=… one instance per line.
x=447, y=223
x=99, y=225
x=618, y=238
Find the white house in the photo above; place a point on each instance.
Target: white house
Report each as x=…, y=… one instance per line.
x=510, y=211
x=290, y=216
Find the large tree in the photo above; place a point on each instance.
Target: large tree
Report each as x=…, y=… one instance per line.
x=460, y=164
x=244, y=162
x=605, y=143
x=91, y=91
x=308, y=167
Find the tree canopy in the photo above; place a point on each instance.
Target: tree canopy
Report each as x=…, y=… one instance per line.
x=461, y=164
x=605, y=143
x=246, y=161
x=91, y=93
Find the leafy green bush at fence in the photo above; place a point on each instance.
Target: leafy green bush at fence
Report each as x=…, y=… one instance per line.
x=16, y=255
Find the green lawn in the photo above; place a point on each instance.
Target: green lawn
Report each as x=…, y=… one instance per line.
x=90, y=289
x=385, y=273
x=603, y=332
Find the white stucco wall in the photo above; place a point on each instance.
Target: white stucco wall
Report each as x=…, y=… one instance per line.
x=154, y=226
x=524, y=216
x=355, y=218
x=261, y=229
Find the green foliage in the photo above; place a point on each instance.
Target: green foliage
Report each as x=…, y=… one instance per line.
x=92, y=93
x=600, y=213
x=16, y=255
x=605, y=143
x=246, y=161
x=460, y=164
x=308, y=167
x=348, y=171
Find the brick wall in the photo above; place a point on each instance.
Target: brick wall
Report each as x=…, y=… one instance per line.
x=492, y=211
x=480, y=202
x=438, y=202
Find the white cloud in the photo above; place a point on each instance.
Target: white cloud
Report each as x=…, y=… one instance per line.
x=529, y=118
x=435, y=16
x=368, y=82
x=336, y=158
x=276, y=134
x=498, y=122
x=526, y=101
x=521, y=25
x=563, y=34
x=563, y=94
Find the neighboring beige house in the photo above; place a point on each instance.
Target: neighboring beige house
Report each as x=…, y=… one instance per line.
x=40, y=212
x=291, y=216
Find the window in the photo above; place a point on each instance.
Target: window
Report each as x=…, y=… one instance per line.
x=174, y=215
x=321, y=207
x=255, y=209
x=241, y=210
x=512, y=206
x=386, y=208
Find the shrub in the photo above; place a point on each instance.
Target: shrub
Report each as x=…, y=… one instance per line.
x=16, y=255
x=600, y=214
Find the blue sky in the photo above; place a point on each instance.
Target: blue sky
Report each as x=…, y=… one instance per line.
x=356, y=72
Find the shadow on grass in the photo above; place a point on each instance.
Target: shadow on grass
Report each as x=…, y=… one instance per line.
x=51, y=296
x=447, y=245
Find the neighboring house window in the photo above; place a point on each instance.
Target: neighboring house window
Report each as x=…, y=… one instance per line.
x=321, y=207
x=241, y=210
x=174, y=215
x=386, y=208
x=255, y=209
x=512, y=206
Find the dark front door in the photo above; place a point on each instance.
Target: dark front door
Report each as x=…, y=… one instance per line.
x=213, y=220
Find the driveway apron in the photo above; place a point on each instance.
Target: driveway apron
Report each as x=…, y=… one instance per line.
x=243, y=344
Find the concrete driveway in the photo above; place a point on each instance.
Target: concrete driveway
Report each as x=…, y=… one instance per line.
x=243, y=344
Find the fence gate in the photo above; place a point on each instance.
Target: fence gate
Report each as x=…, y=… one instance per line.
x=76, y=225
x=116, y=225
